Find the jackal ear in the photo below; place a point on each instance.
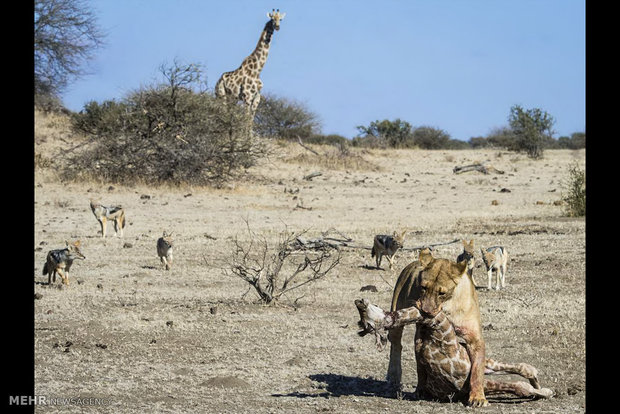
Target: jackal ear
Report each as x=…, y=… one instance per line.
x=67, y=243
x=425, y=256
x=77, y=243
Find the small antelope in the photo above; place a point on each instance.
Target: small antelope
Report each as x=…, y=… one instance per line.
x=104, y=213
x=60, y=261
x=387, y=245
x=164, y=249
x=495, y=258
x=468, y=255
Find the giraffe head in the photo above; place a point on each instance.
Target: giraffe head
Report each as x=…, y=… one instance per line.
x=275, y=17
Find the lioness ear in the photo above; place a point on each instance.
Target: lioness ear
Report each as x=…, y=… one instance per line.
x=425, y=256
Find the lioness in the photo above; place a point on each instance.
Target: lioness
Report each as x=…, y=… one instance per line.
x=433, y=285
x=446, y=362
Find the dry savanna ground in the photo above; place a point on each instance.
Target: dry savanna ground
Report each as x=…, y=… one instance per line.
x=137, y=338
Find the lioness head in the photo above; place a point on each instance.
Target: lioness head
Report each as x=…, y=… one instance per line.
x=436, y=282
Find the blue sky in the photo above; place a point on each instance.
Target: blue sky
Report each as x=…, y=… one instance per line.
x=458, y=65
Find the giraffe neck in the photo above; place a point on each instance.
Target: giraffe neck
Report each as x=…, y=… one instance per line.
x=262, y=48
x=440, y=326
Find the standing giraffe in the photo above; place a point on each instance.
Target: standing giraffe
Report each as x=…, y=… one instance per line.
x=243, y=83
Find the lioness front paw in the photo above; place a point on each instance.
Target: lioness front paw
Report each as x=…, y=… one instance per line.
x=477, y=401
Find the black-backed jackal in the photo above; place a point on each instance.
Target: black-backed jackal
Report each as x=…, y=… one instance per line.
x=164, y=249
x=104, y=213
x=495, y=258
x=60, y=261
x=387, y=245
x=468, y=255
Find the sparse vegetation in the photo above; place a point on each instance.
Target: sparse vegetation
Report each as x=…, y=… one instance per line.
x=263, y=264
x=575, y=196
x=172, y=132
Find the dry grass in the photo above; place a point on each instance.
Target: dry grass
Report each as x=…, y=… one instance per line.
x=332, y=158
x=195, y=340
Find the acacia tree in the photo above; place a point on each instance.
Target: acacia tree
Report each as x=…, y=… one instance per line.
x=65, y=37
x=532, y=128
x=393, y=134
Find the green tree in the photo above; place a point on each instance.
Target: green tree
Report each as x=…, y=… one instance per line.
x=394, y=134
x=427, y=137
x=532, y=129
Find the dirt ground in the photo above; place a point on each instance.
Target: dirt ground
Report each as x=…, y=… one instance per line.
x=127, y=336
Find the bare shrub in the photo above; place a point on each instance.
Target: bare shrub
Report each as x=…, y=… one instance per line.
x=274, y=269
x=172, y=132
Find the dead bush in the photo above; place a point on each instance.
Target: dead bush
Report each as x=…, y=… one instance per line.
x=276, y=268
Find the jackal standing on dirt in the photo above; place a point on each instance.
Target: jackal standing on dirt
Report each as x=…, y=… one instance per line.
x=60, y=261
x=164, y=249
x=495, y=258
x=104, y=213
x=387, y=245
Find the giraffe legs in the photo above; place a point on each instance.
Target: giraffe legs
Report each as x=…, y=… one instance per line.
x=519, y=388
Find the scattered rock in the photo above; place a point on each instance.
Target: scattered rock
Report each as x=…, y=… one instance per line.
x=38, y=296
x=145, y=197
x=213, y=310
x=102, y=346
x=169, y=324
x=369, y=288
x=495, y=203
x=127, y=245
